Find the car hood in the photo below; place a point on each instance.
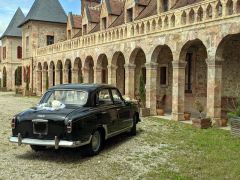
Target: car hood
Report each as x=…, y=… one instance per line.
x=55, y=115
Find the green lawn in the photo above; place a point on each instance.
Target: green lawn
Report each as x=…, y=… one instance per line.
x=193, y=153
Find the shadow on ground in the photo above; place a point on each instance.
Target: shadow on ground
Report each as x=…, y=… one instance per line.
x=69, y=155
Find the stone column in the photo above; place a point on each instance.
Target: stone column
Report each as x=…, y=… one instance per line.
x=151, y=87
x=75, y=76
x=44, y=80
x=112, y=78
x=65, y=76
x=178, y=90
x=85, y=75
x=39, y=82
x=214, y=87
x=130, y=80
x=50, y=72
x=98, y=75
x=57, y=76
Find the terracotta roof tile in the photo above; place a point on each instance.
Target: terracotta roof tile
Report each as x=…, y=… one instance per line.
x=94, y=15
x=95, y=29
x=150, y=10
x=77, y=21
x=116, y=6
x=182, y=3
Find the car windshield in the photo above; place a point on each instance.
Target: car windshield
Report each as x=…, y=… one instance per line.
x=65, y=97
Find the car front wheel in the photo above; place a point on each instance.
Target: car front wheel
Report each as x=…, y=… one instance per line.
x=96, y=143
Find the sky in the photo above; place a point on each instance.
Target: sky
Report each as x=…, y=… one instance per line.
x=9, y=7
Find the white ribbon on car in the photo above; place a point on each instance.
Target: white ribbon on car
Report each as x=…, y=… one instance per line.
x=56, y=105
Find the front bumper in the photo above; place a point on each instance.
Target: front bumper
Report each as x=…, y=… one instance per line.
x=50, y=143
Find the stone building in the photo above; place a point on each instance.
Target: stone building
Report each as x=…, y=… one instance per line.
x=11, y=53
x=184, y=50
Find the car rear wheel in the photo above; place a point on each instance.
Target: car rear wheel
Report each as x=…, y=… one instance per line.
x=96, y=144
x=38, y=148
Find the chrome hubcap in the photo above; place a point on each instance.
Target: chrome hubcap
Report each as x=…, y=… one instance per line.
x=96, y=140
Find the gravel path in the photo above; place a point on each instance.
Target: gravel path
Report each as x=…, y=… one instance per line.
x=123, y=157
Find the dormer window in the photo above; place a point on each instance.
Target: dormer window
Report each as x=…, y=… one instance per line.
x=130, y=15
x=84, y=29
x=165, y=5
x=50, y=40
x=104, y=23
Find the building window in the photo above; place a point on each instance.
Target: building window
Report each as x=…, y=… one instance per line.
x=4, y=52
x=84, y=29
x=104, y=23
x=19, y=52
x=165, y=5
x=27, y=44
x=163, y=76
x=188, y=73
x=50, y=40
x=130, y=15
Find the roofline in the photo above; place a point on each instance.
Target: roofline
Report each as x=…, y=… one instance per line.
x=9, y=36
x=25, y=22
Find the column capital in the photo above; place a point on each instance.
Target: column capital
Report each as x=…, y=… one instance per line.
x=179, y=64
x=151, y=65
x=213, y=63
x=129, y=66
x=112, y=66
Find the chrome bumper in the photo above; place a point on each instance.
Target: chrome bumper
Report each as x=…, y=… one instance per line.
x=50, y=143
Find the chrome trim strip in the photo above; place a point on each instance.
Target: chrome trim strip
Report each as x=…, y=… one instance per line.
x=53, y=143
x=39, y=120
x=118, y=132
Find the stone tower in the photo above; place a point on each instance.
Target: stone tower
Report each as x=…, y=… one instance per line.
x=90, y=3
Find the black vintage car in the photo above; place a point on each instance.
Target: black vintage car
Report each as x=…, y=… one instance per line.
x=75, y=115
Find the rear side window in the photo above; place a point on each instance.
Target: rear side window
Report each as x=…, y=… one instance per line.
x=117, y=98
x=104, y=97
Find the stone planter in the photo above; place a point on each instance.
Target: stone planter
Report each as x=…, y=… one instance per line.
x=235, y=126
x=202, y=123
x=222, y=122
x=187, y=116
x=160, y=112
x=144, y=112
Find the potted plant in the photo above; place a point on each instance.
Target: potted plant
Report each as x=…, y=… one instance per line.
x=235, y=119
x=201, y=122
x=187, y=115
x=160, y=105
x=142, y=95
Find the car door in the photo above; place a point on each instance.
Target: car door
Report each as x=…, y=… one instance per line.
x=107, y=114
x=123, y=111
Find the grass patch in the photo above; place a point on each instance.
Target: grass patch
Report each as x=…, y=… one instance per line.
x=194, y=153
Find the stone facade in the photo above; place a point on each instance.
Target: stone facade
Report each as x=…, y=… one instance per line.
x=185, y=54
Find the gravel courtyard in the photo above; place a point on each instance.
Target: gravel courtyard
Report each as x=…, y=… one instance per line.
x=161, y=150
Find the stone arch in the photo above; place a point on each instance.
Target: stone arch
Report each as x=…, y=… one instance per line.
x=200, y=14
x=18, y=76
x=219, y=9
x=142, y=28
x=154, y=24
x=77, y=71
x=51, y=74
x=138, y=60
x=4, y=77
x=209, y=12
x=194, y=54
x=173, y=19
x=229, y=7
x=166, y=23
x=138, y=29
x=132, y=30
x=88, y=70
x=184, y=18
x=118, y=74
x=162, y=56
x=102, y=69
x=59, y=72
x=68, y=71
x=191, y=16
x=229, y=60
x=160, y=23
x=238, y=6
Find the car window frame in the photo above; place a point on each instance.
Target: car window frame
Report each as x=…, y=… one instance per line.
x=97, y=97
x=120, y=95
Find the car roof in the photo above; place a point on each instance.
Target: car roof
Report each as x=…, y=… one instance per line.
x=84, y=87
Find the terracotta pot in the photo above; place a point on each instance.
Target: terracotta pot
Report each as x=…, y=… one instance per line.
x=187, y=116
x=160, y=112
x=202, y=123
